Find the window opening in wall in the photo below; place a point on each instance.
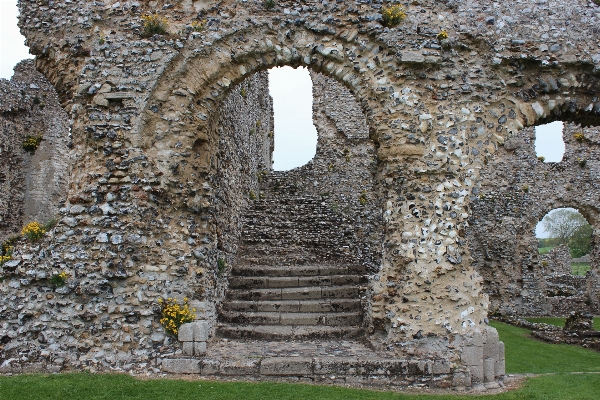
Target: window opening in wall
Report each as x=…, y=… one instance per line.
x=295, y=134
x=549, y=143
x=11, y=41
x=564, y=239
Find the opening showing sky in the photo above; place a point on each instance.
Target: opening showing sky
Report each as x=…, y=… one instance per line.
x=549, y=141
x=295, y=134
x=12, y=43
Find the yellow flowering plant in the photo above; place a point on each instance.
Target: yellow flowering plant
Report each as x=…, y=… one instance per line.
x=33, y=231
x=579, y=137
x=393, y=15
x=5, y=253
x=198, y=26
x=442, y=35
x=173, y=314
x=154, y=24
x=59, y=279
x=31, y=143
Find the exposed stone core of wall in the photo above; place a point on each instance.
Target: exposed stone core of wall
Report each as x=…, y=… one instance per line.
x=557, y=261
x=437, y=112
x=32, y=186
x=517, y=191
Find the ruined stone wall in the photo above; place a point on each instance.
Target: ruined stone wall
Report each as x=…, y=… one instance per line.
x=33, y=185
x=557, y=261
x=244, y=127
x=517, y=191
x=437, y=109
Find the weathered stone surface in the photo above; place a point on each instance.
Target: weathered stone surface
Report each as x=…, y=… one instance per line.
x=171, y=138
x=279, y=366
x=34, y=184
x=517, y=191
x=181, y=365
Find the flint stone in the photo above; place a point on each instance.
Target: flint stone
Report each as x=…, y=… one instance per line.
x=77, y=209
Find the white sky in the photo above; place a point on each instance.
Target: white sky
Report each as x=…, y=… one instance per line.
x=295, y=134
x=549, y=141
x=12, y=47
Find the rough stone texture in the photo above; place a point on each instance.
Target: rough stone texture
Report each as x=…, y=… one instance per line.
x=517, y=191
x=32, y=187
x=557, y=261
x=153, y=211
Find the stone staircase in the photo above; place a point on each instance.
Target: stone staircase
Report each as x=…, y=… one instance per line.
x=296, y=277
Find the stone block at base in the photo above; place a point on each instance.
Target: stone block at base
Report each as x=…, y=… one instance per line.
x=281, y=366
x=181, y=366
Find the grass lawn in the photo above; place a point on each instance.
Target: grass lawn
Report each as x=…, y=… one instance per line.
x=523, y=355
x=544, y=250
x=580, y=268
x=557, y=321
x=109, y=387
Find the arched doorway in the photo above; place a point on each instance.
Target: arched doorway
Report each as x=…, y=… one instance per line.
x=297, y=243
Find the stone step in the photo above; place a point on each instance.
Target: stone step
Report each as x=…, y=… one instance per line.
x=297, y=271
x=288, y=332
x=257, y=282
x=312, y=292
x=292, y=318
x=333, y=305
x=247, y=258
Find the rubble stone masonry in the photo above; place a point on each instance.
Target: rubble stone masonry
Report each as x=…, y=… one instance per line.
x=170, y=135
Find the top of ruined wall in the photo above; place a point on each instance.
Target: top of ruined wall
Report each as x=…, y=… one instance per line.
x=551, y=31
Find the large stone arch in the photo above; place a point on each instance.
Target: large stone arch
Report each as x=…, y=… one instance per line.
x=440, y=109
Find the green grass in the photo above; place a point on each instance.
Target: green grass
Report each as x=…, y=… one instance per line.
x=114, y=387
x=580, y=268
x=557, y=321
x=544, y=250
x=522, y=354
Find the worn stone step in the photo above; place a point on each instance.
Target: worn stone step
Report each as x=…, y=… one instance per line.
x=312, y=292
x=327, y=305
x=288, y=332
x=297, y=271
x=292, y=318
x=256, y=282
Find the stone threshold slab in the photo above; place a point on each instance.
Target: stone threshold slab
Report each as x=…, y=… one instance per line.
x=349, y=361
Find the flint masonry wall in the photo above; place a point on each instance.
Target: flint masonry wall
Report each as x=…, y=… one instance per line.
x=33, y=186
x=517, y=191
x=557, y=261
x=437, y=110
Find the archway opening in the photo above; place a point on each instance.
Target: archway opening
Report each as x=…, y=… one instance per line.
x=564, y=240
x=549, y=143
x=295, y=133
x=298, y=229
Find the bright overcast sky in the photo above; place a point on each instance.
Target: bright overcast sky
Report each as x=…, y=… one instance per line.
x=295, y=134
x=12, y=47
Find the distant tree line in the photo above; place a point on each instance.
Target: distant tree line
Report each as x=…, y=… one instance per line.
x=567, y=226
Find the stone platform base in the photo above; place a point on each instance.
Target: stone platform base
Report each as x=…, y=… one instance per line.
x=338, y=362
